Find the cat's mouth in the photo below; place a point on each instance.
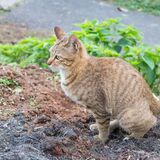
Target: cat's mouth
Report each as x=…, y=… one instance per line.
x=50, y=60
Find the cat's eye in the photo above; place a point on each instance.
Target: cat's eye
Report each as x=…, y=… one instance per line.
x=57, y=57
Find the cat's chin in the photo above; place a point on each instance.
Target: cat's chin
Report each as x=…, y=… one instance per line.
x=53, y=69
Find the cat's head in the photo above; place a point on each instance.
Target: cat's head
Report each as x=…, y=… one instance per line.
x=66, y=51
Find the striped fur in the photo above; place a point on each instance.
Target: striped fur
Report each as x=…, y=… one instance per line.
x=109, y=87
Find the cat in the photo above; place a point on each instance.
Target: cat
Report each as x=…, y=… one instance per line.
x=110, y=88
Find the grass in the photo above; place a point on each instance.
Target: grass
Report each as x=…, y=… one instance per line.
x=150, y=6
x=7, y=82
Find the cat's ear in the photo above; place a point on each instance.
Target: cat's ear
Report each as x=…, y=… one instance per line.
x=75, y=42
x=59, y=32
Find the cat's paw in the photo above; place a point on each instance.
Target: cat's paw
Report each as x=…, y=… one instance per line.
x=126, y=138
x=101, y=139
x=93, y=127
x=132, y=136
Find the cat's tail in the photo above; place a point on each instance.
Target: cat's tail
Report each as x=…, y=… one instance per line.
x=155, y=106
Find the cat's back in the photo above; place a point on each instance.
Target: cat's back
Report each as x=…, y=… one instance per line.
x=123, y=83
x=115, y=67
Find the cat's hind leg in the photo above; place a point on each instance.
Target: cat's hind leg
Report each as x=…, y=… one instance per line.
x=114, y=124
x=138, y=120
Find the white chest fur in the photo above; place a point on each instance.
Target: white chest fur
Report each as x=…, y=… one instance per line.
x=69, y=92
x=73, y=97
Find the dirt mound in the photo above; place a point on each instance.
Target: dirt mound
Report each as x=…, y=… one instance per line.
x=38, y=122
x=33, y=91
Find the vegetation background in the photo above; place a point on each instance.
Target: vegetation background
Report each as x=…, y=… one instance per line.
x=150, y=6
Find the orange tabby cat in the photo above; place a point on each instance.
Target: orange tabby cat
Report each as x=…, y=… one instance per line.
x=110, y=87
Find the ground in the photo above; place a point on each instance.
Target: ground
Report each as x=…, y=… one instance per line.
x=39, y=122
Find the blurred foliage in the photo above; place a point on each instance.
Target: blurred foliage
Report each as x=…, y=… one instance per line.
x=151, y=6
x=109, y=38
x=5, y=81
x=28, y=51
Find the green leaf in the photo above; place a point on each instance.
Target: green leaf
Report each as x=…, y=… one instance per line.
x=147, y=72
x=147, y=59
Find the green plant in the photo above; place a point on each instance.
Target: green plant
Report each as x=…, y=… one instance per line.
x=109, y=38
x=28, y=51
x=110, y=35
x=7, y=82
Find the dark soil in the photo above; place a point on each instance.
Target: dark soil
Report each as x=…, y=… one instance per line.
x=38, y=122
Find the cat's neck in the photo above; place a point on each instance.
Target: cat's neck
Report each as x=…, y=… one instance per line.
x=69, y=75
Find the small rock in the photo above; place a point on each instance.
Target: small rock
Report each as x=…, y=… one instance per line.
x=22, y=98
x=41, y=119
x=58, y=150
x=122, y=9
x=16, y=114
x=7, y=149
x=49, y=131
x=70, y=133
x=52, y=146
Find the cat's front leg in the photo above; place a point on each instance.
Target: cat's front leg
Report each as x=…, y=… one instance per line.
x=102, y=122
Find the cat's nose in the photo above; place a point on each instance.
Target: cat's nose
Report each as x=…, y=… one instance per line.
x=50, y=60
